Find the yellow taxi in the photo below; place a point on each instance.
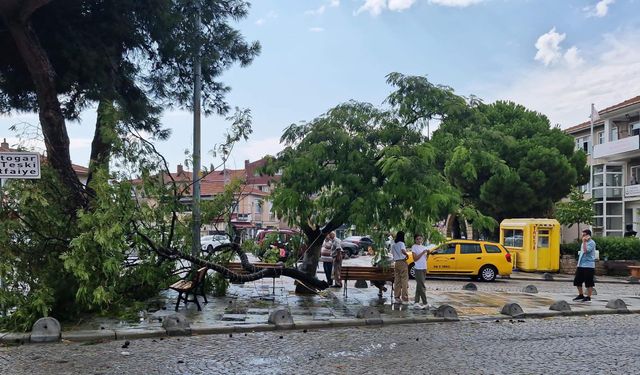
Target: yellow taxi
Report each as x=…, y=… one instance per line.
x=481, y=260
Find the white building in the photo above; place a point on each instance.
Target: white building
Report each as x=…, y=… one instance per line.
x=615, y=183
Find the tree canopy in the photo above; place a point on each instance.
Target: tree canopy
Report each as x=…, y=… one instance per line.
x=507, y=160
x=360, y=165
x=133, y=57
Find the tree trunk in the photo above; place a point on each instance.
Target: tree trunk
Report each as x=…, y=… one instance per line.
x=102, y=143
x=49, y=110
x=315, y=239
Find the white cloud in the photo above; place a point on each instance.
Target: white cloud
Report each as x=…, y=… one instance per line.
x=600, y=9
x=550, y=52
x=455, y=3
x=548, y=46
x=400, y=5
x=609, y=75
x=374, y=7
x=572, y=57
x=322, y=8
x=316, y=29
x=270, y=15
x=255, y=149
x=316, y=12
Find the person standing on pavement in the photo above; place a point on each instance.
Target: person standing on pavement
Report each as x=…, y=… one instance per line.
x=326, y=259
x=336, y=255
x=420, y=266
x=586, y=267
x=400, y=269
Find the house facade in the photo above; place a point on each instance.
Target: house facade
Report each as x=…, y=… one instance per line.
x=254, y=209
x=614, y=157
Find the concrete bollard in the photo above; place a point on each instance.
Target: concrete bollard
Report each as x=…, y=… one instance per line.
x=176, y=325
x=361, y=284
x=512, y=309
x=560, y=305
x=446, y=311
x=46, y=330
x=470, y=286
x=530, y=289
x=547, y=276
x=281, y=318
x=616, y=304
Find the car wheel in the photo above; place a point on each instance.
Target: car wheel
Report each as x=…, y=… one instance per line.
x=210, y=248
x=487, y=273
x=412, y=271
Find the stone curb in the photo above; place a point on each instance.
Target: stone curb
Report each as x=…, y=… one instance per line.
x=564, y=280
x=98, y=335
x=123, y=334
x=93, y=335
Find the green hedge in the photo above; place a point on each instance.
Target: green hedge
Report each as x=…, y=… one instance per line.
x=611, y=248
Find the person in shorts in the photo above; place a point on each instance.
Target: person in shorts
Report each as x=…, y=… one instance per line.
x=586, y=267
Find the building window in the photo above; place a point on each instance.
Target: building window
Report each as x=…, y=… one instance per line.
x=582, y=143
x=613, y=134
x=608, y=205
x=600, y=137
x=259, y=204
x=635, y=175
x=634, y=129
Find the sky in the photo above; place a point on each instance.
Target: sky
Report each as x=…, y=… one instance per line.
x=553, y=56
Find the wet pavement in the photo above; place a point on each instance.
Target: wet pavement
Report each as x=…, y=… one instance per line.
x=251, y=303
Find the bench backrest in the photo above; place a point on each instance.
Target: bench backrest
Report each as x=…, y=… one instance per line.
x=200, y=275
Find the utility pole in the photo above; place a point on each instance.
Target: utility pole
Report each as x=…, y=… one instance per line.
x=197, y=87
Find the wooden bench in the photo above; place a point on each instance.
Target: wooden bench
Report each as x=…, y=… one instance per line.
x=366, y=273
x=195, y=286
x=236, y=267
x=634, y=271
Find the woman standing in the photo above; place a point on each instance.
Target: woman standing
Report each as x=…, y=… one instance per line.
x=400, y=269
x=420, y=266
x=326, y=259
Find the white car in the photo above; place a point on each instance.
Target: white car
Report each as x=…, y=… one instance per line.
x=208, y=243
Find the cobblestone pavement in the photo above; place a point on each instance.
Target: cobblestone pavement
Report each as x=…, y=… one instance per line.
x=594, y=345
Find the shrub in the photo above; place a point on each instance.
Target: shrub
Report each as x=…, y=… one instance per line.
x=618, y=248
x=569, y=248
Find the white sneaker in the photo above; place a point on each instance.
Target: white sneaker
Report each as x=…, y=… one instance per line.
x=397, y=300
x=405, y=302
x=427, y=307
x=418, y=306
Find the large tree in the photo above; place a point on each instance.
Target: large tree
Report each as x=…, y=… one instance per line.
x=359, y=165
x=507, y=160
x=131, y=57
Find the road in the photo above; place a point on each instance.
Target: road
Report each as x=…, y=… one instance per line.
x=595, y=345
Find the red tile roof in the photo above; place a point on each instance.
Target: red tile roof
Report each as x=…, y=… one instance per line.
x=587, y=124
x=626, y=103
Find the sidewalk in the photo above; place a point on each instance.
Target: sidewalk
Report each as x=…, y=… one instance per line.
x=247, y=306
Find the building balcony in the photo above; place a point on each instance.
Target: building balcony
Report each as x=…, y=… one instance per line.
x=244, y=217
x=618, y=150
x=632, y=191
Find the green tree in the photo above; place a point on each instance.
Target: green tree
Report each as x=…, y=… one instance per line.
x=575, y=210
x=130, y=57
x=507, y=160
x=359, y=165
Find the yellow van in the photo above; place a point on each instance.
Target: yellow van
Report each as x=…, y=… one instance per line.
x=481, y=260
